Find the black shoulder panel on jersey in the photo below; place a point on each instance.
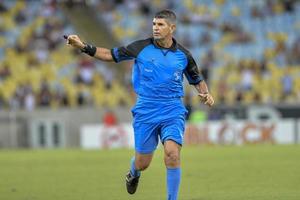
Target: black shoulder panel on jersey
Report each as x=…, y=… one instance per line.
x=191, y=71
x=133, y=49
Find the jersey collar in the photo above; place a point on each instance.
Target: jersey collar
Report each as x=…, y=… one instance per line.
x=172, y=48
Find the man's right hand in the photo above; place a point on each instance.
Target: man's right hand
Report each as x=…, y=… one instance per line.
x=75, y=41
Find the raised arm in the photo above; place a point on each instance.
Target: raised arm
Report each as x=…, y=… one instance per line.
x=103, y=54
x=97, y=52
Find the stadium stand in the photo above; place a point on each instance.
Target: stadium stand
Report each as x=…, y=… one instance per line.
x=249, y=51
x=38, y=69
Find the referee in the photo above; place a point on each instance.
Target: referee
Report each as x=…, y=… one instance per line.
x=157, y=78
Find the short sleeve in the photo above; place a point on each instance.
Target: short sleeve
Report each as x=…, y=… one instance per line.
x=128, y=52
x=191, y=71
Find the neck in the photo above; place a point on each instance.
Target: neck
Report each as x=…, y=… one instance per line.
x=165, y=42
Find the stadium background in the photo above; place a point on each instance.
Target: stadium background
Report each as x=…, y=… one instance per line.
x=53, y=97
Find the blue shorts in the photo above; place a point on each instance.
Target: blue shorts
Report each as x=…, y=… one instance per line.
x=147, y=135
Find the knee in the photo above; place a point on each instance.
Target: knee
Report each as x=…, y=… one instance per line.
x=142, y=165
x=172, y=158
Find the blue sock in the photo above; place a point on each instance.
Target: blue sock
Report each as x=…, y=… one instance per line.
x=173, y=181
x=133, y=171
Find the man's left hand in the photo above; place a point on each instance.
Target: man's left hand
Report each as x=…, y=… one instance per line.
x=207, y=99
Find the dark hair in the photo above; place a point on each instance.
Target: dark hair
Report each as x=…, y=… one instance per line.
x=169, y=15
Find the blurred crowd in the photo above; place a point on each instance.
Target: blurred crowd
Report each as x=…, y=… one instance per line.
x=248, y=51
x=37, y=69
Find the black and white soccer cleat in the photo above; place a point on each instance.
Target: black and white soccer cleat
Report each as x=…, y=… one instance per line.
x=131, y=183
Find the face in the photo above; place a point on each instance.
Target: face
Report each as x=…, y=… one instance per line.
x=162, y=28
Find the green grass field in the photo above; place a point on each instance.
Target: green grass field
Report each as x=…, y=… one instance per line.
x=209, y=173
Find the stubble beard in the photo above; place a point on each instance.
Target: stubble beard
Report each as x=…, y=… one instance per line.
x=157, y=37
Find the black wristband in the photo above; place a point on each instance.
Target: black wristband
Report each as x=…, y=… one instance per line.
x=89, y=49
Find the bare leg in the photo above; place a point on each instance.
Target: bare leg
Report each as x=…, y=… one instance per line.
x=172, y=154
x=138, y=163
x=142, y=161
x=172, y=162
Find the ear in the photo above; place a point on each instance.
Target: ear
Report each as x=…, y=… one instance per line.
x=173, y=28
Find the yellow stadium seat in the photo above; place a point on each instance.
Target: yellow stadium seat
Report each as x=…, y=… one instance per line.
x=235, y=11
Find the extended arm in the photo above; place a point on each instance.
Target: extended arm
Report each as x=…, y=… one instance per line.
x=103, y=54
x=97, y=52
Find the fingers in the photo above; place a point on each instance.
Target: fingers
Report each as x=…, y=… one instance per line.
x=71, y=39
x=209, y=102
x=203, y=97
x=207, y=99
x=66, y=37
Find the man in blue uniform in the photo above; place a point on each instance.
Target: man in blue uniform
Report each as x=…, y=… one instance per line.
x=157, y=78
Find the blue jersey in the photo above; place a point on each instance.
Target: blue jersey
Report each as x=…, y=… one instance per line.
x=157, y=76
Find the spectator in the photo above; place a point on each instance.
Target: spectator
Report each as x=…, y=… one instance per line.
x=2, y=7
x=44, y=95
x=29, y=101
x=289, y=5
x=287, y=84
x=246, y=78
x=86, y=71
x=5, y=72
